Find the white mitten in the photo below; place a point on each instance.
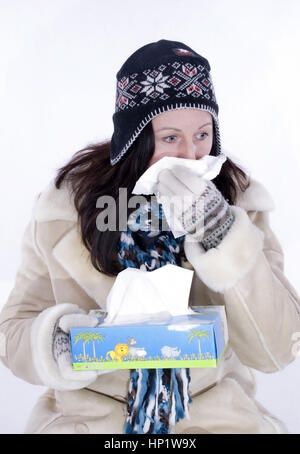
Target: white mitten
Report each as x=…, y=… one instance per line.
x=198, y=205
x=51, y=352
x=62, y=347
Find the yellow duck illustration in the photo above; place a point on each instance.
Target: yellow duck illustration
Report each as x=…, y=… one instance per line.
x=121, y=350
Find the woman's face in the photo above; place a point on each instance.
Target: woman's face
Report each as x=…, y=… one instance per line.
x=182, y=133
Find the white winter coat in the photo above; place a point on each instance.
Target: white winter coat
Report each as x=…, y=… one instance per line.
x=245, y=273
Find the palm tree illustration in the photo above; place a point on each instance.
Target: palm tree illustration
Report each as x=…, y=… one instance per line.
x=87, y=337
x=198, y=333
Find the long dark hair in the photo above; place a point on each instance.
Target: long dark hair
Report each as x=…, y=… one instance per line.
x=90, y=175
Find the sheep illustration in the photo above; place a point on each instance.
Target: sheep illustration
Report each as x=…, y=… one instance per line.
x=138, y=352
x=170, y=352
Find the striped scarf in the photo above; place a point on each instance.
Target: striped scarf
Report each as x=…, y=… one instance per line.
x=157, y=398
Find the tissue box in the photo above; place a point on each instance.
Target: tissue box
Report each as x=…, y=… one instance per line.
x=195, y=340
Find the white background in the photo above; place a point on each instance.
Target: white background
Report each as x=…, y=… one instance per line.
x=58, y=63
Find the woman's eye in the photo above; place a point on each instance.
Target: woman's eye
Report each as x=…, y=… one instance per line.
x=165, y=138
x=203, y=134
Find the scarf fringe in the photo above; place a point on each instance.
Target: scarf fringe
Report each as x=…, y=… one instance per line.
x=157, y=400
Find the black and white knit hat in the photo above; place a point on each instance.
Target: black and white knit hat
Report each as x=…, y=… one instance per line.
x=160, y=76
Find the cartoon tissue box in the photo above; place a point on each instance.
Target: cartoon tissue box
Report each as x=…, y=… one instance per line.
x=148, y=324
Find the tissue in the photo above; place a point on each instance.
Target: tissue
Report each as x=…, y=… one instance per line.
x=142, y=295
x=207, y=167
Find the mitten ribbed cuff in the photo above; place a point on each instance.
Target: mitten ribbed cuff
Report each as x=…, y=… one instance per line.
x=220, y=231
x=209, y=218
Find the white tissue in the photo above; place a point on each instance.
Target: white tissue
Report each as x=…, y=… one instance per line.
x=139, y=296
x=207, y=167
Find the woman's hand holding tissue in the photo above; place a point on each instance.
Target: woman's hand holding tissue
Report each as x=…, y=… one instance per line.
x=198, y=205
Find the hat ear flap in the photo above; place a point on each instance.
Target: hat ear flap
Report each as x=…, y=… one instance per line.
x=213, y=147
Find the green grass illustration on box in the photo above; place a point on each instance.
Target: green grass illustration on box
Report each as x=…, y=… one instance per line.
x=196, y=340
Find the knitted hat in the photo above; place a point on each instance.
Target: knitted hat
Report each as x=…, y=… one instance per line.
x=160, y=76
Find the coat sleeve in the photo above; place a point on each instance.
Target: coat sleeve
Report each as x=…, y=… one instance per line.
x=32, y=292
x=262, y=307
x=28, y=317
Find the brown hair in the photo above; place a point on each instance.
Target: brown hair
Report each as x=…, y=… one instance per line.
x=90, y=175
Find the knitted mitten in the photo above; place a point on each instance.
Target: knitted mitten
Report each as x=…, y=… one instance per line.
x=61, y=347
x=61, y=342
x=206, y=215
x=209, y=218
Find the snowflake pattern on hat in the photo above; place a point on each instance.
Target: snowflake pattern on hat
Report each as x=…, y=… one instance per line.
x=186, y=79
x=156, y=84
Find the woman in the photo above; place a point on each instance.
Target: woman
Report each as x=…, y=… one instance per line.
x=69, y=266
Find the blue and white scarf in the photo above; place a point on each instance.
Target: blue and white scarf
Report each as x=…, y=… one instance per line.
x=157, y=398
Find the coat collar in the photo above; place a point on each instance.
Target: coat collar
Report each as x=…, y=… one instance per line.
x=53, y=204
x=74, y=257
x=255, y=198
x=57, y=204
